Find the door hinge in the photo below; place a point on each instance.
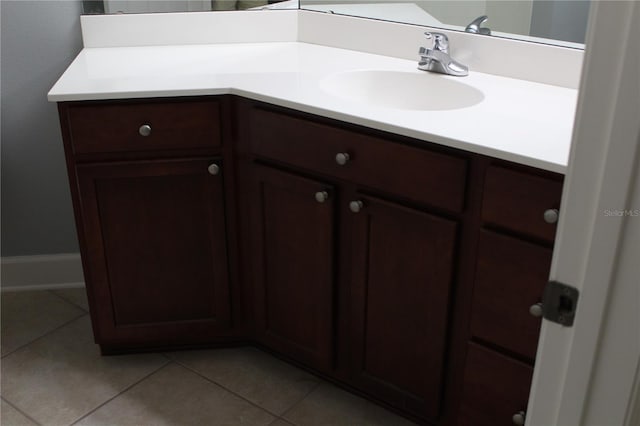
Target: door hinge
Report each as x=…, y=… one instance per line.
x=559, y=303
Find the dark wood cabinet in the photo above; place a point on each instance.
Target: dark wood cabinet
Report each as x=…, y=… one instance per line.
x=293, y=251
x=402, y=265
x=401, y=269
x=519, y=214
x=152, y=216
x=156, y=238
x=397, y=256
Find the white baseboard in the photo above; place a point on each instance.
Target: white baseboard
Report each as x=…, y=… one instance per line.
x=41, y=272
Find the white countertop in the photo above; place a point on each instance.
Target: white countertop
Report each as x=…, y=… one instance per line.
x=520, y=121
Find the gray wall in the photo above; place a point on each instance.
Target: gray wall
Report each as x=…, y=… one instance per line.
x=39, y=39
x=560, y=19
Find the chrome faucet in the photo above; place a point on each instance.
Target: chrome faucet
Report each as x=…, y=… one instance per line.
x=437, y=58
x=475, y=27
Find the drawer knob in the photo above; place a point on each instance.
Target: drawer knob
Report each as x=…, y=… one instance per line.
x=144, y=130
x=518, y=418
x=536, y=310
x=551, y=215
x=213, y=169
x=322, y=196
x=356, y=206
x=342, y=158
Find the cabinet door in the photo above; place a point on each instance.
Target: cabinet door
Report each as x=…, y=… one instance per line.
x=403, y=262
x=293, y=252
x=156, y=251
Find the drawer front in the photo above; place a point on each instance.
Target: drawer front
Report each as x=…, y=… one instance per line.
x=111, y=127
x=417, y=174
x=496, y=388
x=510, y=277
x=518, y=201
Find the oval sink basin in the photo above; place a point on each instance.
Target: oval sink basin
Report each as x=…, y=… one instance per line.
x=417, y=90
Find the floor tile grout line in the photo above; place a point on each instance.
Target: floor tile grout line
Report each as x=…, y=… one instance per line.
x=83, y=314
x=300, y=400
x=68, y=301
x=227, y=389
x=122, y=391
x=281, y=419
x=20, y=410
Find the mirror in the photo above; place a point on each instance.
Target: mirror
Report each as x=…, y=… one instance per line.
x=559, y=22
x=94, y=7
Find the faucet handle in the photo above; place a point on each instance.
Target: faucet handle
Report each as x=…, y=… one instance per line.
x=440, y=41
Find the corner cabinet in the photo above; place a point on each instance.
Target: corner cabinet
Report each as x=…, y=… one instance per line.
x=409, y=272
x=356, y=258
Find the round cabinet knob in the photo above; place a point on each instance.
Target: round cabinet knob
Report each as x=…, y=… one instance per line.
x=551, y=215
x=322, y=196
x=144, y=130
x=213, y=169
x=356, y=206
x=518, y=418
x=342, y=158
x=536, y=310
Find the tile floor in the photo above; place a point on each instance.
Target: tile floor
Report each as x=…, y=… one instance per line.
x=53, y=374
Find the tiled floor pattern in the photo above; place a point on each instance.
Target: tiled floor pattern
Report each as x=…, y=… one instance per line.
x=53, y=374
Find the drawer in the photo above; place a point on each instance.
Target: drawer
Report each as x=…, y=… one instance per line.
x=510, y=277
x=115, y=127
x=417, y=174
x=496, y=388
x=518, y=201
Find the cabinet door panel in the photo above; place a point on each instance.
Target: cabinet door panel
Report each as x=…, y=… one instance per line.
x=403, y=266
x=294, y=250
x=510, y=277
x=156, y=241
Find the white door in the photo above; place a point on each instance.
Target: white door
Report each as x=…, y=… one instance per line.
x=588, y=374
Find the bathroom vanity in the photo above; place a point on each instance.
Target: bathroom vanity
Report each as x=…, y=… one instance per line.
x=385, y=250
